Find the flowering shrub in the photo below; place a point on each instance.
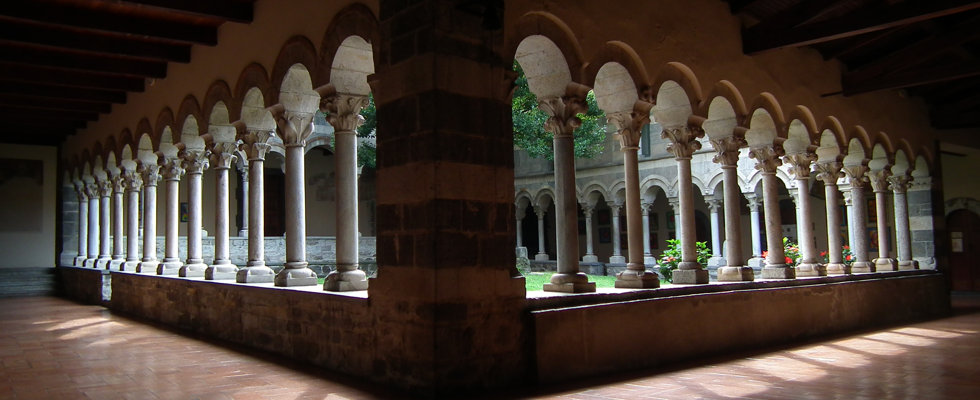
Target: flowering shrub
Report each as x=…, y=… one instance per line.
x=672, y=256
x=790, y=250
x=846, y=255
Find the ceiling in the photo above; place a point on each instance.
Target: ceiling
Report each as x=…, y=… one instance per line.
x=64, y=62
x=927, y=48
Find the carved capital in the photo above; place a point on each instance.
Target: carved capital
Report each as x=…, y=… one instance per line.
x=172, y=169
x=132, y=180
x=828, y=172
x=847, y=198
x=255, y=144
x=91, y=190
x=80, y=190
x=539, y=211
x=922, y=183
x=899, y=183
x=767, y=158
x=856, y=175
x=104, y=187
x=344, y=111
x=879, y=179
x=629, y=125
x=295, y=128
x=713, y=205
x=223, y=154
x=799, y=164
x=754, y=202
x=614, y=207
x=150, y=174
x=563, y=114
x=727, y=149
x=683, y=140
x=195, y=161
x=118, y=184
x=587, y=210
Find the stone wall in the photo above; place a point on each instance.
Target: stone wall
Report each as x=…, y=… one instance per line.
x=85, y=285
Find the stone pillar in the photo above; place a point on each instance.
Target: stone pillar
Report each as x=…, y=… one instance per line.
x=617, y=255
x=519, y=217
x=151, y=175
x=675, y=206
x=590, y=256
x=845, y=190
x=256, y=146
x=899, y=185
x=222, y=155
x=133, y=182
x=859, y=214
x=767, y=160
x=172, y=172
x=648, y=257
x=717, y=259
x=118, y=256
x=542, y=248
x=243, y=210
x=80, y=191
x=194, y=162
x=683, y=143
x=829, y=173
x=921, y=227
x=756, y=231
x=728, y=153
x=343, y=112
x=809, y=264
x=105, y=210
x=879, y=184
x=92, y=193
x=296, y=127
x=562, y=122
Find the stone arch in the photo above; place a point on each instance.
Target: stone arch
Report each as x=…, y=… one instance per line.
x=901, y=164
x=962, y=203
x=544, y=196
x=859, y=134
x=98, y=149
x=165, y=122
x=254, y=76
x=545, y=66
x=220, y=92
x=766, y=121
x=921, y=168
x=145, y=150
x=297, y=50
x=593, y=186
x=880, y=158
x=85, y=161
x=254, y=112
x=856, y=153
x=881, y=138
x=701, y=185
x=548, y=26
x=803, y=119
x=296, y=90
x=351, y=65
x=190, y=133
x=615, y=89
x=904, y=145
x=522, y=195
x=726, y=91
x=127, y=158
x=653, y=180
x=832, y=140
x=189, y=107
x=219, y=126
x=684, y=77
x=714, y=180
x=111, y=147
x=355, y=20
x=619, y=53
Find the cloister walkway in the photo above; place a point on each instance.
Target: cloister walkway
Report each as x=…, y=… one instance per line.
x=52, y=348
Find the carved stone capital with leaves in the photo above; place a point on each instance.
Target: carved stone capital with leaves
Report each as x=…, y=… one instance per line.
x=899, y=183
x=879, y=179
x=195, y=161
x=828, y=172
x=856, y=175
x=344, y=111
x=683, y=140
x=767, y=158
x=563, y=114
x=799, y=164
x=223, y=154
x=80, y=190
x=132, y=180
x=104, y=187
x=118, y=183
x=150, y=174
x=255, y=144
x=629, y=125
x=172, y=169
x=295, y=128
x=727, y=149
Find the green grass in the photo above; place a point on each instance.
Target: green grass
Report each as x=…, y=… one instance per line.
x=536, y=280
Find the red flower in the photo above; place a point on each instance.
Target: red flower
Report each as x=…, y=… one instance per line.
x=823, y=254
x=847, y=247
x=789, y=260
x=848, y=257
x=765, y=254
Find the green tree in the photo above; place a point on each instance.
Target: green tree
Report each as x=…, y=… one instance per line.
x=529, y=133
x=367, y=152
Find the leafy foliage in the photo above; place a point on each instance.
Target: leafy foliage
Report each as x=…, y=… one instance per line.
x=529, y=133
x=790, y=250
x=671, y=257
x=367, y=151
x=846, y=255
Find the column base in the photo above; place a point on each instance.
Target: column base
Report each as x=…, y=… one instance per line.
x=590, y=258
x=649, y=260
x=221, y=272
x=908, y=265
x=862, y=267
x=617, y=260
x=778, y=271
x=102, y=262
x=147, y=266
x=811, y=269
x=697, y=276
x=735, y=274
x=243, y=233
x=885, y=264
x=637, y=279
x=296, y=274
x=717, y=262
x=116, y=264
x=346, y=281
x=838, y=269
x=255, y=272
x=129, y=266
x=540, y=257
x=90, y=262
x=79, y=261
x=193, y=269
x=756, y=262
x=171, y=267
x=569, y=283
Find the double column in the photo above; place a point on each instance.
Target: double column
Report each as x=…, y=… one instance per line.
x=172, y=170
x=296, y=126
x=151, y=175
x=133, y=182
x=195, y=161
x=899, y=185
x=799, y=164
x=859, y=215
x=562, y=122
x=879, y=184
x=222, y=155
x=727, y=157
x=683, y=143
x=829, y=173
x=82, y=194
x=767, y=160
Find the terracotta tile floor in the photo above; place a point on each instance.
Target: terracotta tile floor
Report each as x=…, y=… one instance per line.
x=52, y=349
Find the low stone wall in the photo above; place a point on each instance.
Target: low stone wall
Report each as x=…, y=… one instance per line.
x=593, y=339
x=85, y=285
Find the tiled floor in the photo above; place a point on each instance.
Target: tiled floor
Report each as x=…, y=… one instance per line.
x=52, y=348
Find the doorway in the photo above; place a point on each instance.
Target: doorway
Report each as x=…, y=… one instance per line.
x=964, y=241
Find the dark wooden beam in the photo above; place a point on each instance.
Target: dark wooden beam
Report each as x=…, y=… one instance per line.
x=62, y=92
x=923, y=75
x=94, y=19
x=41, y=125
x=57, y=76
x=88, y=41
x=909, y=12
x=53, y=57
x=13, y=100
x=738, y=5
x=236, y=11
x=46, y=137
x=794, y=15
x=8, y=113
x=942, y=119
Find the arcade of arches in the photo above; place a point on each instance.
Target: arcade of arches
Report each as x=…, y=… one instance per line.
x=216, y=199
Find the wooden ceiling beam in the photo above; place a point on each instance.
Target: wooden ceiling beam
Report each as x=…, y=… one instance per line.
x=44, y=103
x=56, y=76
x=909, y=12
x=738, y=5
x=8, y=113
x=923, y=75
x=62, y=92
x=43, y=137
x=91, y=42
x=53, y=57
x=235, y=11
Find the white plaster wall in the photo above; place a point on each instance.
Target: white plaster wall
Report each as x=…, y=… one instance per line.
x=959, y=163
x=31, y=241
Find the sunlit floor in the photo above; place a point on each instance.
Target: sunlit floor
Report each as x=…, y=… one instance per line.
x=52, y=348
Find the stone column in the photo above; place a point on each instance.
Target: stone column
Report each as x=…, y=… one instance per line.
x=717, y=258
x=118, y=256
x=629, y=125
x=92, y=193
x=172, y=172
x=829, y=173
x=590, y=256
x=683, y=143
x=151, y=175
x=222, y=155
x=343, y=113
x=756, y=230
x=133, y=182
x=767, y=160
x=256, y=146
x=899, y=185
x=105, y=209
x=80, y=191
x=617, y=255
x=728, y=153
x=562, y=122
x=244, y=210
x=922, y=233
x=296, y=127
x=542, y=251
x=859, y=214
x=845, y=190
x=648, y=258
x=879, y=184
x=800, y=170
x=519, y=216
x=195, y=162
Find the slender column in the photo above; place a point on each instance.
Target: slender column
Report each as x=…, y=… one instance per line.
x=93, y=223
x=82, y=223
x=195, y=162
x=343, y=112
x=899, y=185
x=256, y=146
x=845, y=190
x=151, y=175
x=829, y=173
x=755, y=226
x=132, y=182
x=296, y=127
x=590, y=256
x=105, y=210
x=542, y=252
x=118, y=256
x=717, y=259
x=857, y=179
x=519, y=216
x=222, y=156
x=617, y=255
x=767, y=160
x=683, y=143
x=728, y=154
x=244, y=210
x=562, y=122
x=800, y=169
x=675, y=206
x=879, y=184
x=647, y=254
x=172, y=172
